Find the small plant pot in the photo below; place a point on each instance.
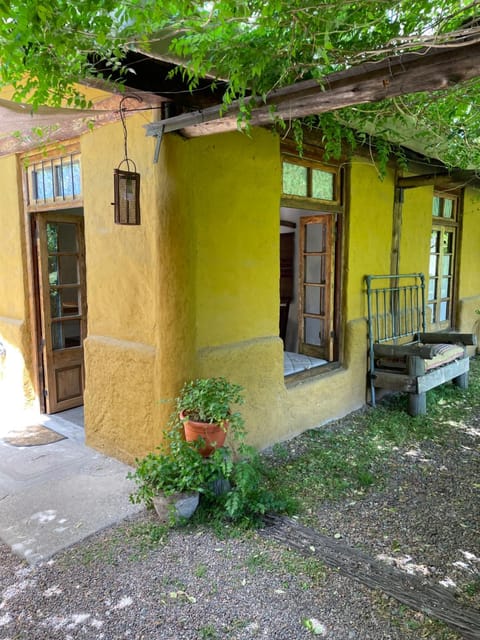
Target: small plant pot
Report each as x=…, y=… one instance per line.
x=176, y=506
x=213, y=434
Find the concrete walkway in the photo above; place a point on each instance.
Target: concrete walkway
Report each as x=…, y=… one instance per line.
x=54, y=495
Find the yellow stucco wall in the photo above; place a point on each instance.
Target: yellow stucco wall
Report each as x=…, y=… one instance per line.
x=140, y=291
x=16, y=375
x=236, y=180
x=193, y=291
x=416, y=230
x=369, y=232
x=235, y=223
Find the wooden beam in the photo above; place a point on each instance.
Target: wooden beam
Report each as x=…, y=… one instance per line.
x=428, y=70
x=457, y=178
x=416, y=592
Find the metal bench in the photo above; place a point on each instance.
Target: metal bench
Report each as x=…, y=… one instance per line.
x=402, y=356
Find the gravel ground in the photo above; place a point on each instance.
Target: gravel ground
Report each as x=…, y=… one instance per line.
x=191, y=584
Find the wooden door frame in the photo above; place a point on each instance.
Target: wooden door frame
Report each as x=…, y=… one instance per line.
x=35, y=307
x=30, y=210
x=54, y=361
x=35, y=300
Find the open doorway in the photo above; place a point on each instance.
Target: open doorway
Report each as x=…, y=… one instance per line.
x=61, y=306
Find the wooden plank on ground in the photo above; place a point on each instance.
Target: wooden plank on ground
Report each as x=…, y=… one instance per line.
x=434, y=600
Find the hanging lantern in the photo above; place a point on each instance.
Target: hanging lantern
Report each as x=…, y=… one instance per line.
x=126, y=187
x=126, y=183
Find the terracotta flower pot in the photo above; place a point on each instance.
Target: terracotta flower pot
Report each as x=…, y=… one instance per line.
x=213, y=434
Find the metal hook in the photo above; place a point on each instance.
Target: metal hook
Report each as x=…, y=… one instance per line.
x=122, y=109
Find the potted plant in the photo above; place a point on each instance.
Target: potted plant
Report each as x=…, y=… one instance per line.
x=205, y=409
x=231, y=480
x=172, y=478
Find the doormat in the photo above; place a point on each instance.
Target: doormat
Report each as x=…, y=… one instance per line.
x=32, y=436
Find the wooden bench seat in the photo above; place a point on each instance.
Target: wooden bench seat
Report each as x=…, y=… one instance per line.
x=403, y=356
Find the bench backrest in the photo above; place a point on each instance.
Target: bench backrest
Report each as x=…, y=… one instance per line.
x=396, y=307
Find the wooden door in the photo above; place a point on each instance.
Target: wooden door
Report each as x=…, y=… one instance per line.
x=62, y=308
x=316, y=282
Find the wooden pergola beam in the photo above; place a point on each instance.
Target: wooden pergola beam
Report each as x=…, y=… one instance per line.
x=428, y=70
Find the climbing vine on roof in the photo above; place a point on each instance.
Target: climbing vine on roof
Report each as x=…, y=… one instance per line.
x=256, y=46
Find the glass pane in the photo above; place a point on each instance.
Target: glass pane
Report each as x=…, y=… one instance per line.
x=52, y=237
x=312, y=328
x=66, y=334
x=447, y=261
x=445, y=288
x=68, y=179
x=54, y=303
x=434, y=242
x=433, y=265
x=53, y=269
x=448, y=241
x=431, y=288
x=315, y=269
x=68, y=269
x=322, y=185
x=433, y=311
x=436, y=206
x=443, y=311
x=67, y=237
x=314, y=297
x=43, y=183
x=294, y=179
x=64, y=302
x=447, y=208
x=315, y=237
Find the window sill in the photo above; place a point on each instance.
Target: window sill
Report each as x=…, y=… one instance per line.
x=316, y=372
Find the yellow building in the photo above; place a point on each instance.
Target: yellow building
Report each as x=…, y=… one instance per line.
x=248, y=261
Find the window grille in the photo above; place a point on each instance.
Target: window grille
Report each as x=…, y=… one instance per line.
x=54, y=180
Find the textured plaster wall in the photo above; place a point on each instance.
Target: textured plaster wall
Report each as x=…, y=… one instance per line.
x=16, y=375
x=416, y=230
x=369, y=233
x=140, y=289
x=138, y=295
x=236, y=220
x=236, y=213
x=274, y=412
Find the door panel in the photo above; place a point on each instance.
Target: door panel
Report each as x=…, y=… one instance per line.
x=316, y=281
x=62, y=302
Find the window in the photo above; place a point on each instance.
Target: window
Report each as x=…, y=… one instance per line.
x=53, y=180
x=441, y=281
x=310, y=242
x=309, y=181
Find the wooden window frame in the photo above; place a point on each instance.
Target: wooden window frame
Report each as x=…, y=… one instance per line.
x=442, y=225
x=338, y=210
x=310, y=164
